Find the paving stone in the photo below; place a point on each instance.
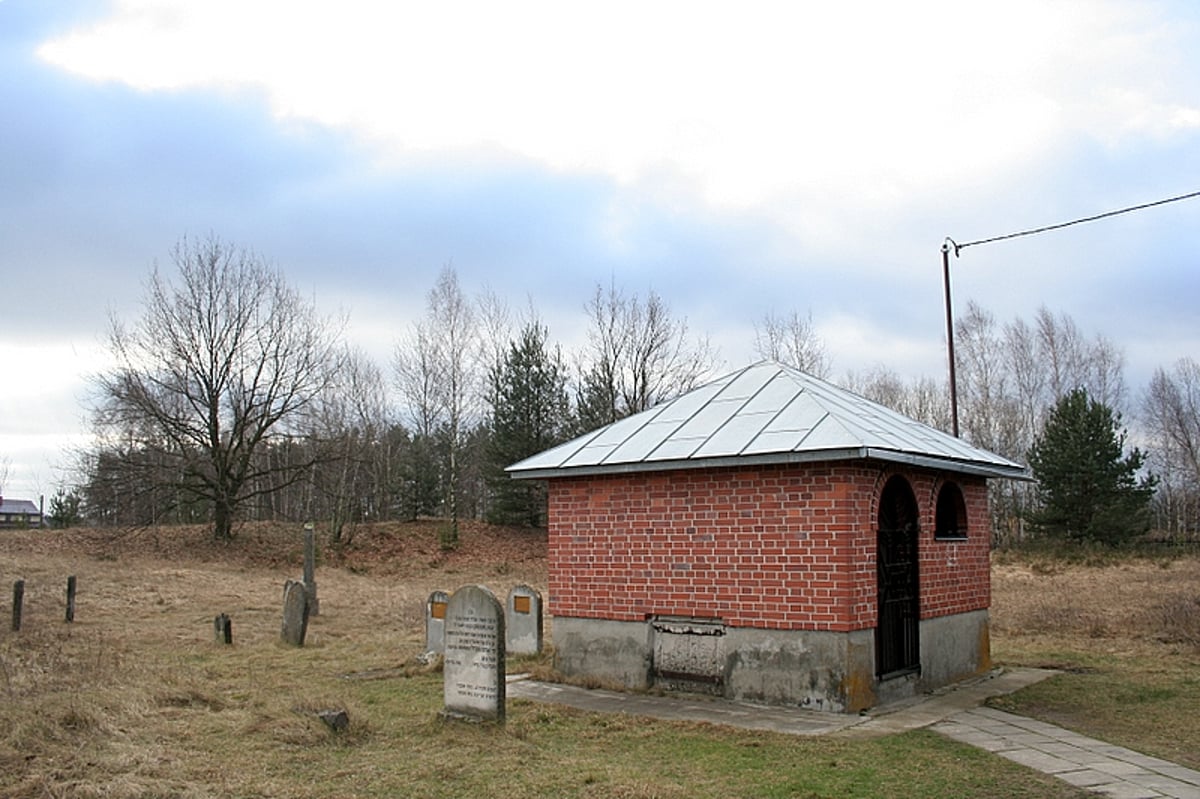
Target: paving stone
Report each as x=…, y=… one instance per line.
x=1066, y=751
x=1125, y=790
x=1181, y=773
x=1047, y=764
x=1119, y=768
x=1085, y=778
x=1169, y=787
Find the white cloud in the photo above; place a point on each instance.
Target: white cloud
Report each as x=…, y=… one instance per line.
x=777, y=106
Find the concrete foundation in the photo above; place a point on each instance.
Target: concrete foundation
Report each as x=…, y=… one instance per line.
x=829, y=671
x=614, y=652
x=954, y=648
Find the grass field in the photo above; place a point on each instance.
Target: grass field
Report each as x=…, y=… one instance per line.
x=135, y=699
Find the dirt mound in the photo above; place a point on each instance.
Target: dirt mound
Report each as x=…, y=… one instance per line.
x=384, y=548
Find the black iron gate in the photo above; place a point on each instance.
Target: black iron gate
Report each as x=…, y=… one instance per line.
x=897, y=636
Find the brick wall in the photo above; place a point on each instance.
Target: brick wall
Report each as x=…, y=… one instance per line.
x=782, y=547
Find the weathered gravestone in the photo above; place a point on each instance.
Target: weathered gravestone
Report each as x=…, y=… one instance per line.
x=295, y=613
x=435, y=621
x=523, y=630
x=473, y=663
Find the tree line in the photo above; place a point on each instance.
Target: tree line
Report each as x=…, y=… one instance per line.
x=233, y=399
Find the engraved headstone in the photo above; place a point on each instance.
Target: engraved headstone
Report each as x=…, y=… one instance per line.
x=295, y=613
x=523, y=630
x=435, y=621
x=473, y=664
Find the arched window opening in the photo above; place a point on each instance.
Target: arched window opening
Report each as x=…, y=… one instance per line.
x=951, y=519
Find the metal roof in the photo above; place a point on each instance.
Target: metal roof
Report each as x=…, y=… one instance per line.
x=18, y=506
x=764, y=414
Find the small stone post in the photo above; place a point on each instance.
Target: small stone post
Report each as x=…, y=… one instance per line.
x=310, y=564
x=71, y=584
x=223, y=629
x=18, y=601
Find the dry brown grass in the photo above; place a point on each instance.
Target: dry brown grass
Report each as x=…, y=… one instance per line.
x=1125, y=632
x=1137, y=600
x=136, y=699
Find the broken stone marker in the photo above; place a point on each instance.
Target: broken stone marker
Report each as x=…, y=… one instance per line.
x=295, y=613
x=473, y=664
x=336, y=720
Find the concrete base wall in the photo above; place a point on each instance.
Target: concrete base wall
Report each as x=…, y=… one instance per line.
x=820, y=670
x=617, y=652
x=954, y=648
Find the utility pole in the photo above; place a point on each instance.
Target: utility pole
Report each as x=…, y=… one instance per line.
x=950, y=336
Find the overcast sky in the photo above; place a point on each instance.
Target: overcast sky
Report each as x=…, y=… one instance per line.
x=737, y=159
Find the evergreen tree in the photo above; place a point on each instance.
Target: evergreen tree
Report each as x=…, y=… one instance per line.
x=530, y=413
x=1088, y=488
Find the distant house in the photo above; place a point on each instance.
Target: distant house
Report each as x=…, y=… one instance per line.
x=770, y=537
x=19, y=513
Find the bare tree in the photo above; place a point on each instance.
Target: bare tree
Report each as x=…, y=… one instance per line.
x=1072, y=362
x=354, y=419
x=923, y=399
x=439, y=374
x=637, y=356
x=791, y=340
x=225, y=359
x=1171, y=412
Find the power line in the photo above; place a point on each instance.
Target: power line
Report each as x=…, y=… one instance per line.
x=959, y=247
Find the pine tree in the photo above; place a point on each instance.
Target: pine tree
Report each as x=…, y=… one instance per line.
x=1088, y=488
x=530, y=413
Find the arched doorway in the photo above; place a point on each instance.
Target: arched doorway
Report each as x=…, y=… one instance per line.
x=897, y=636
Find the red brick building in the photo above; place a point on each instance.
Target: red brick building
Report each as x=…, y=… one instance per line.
x=770, y=537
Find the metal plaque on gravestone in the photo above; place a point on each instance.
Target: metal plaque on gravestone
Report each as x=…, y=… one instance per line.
x=524, y=623
x=473, y=662
x=435, y=621
x=295, y=613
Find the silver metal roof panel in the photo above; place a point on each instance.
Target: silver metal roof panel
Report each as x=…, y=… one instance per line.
x=765, y=413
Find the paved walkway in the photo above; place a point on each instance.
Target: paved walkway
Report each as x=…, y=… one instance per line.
x=1084, y=762
x=956, y=712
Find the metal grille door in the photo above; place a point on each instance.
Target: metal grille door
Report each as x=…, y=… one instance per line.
x=897, y=636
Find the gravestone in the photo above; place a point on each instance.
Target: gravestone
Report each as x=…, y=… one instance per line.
x=295, y=613
x=523, y=628
x=435, y=621
x=473, y=664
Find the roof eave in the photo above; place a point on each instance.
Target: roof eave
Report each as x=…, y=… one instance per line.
x=979, y=468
